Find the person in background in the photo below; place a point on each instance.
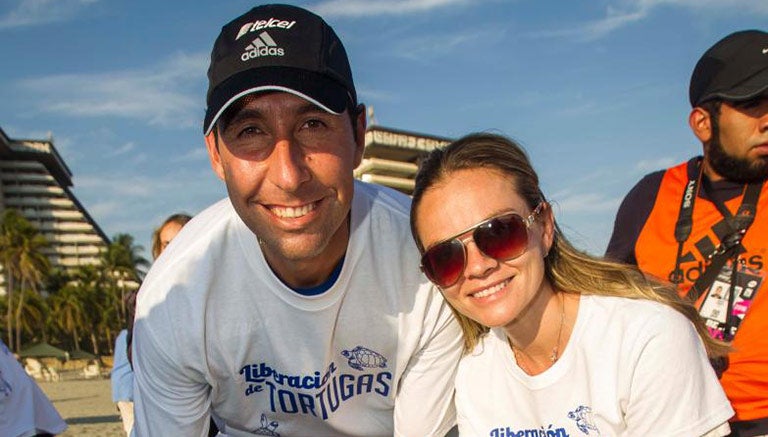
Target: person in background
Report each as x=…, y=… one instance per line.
x=122, y=370
x=166, y=231
x=705, y=221
x=121, y=378
x=25, y=411
x=557, y=342
x=295, y=306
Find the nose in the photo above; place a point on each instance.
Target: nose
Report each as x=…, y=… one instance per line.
x=479, y=264
x=763, y=115
x=288, y=167
x=764, y=121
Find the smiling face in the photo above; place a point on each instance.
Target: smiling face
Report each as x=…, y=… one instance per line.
x=491, y=292
x=288, y=168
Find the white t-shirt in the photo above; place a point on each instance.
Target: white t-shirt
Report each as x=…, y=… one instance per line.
x=631, y=368
x=24, y=408
x=374, y=355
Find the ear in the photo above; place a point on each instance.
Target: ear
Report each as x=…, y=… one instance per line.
x=360, y=134
x=701, y=124
x=548, y=226
x=213, y=154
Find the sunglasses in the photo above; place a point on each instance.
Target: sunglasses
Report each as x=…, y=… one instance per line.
x=503, y=237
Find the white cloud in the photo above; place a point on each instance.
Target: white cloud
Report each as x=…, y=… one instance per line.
x=623, y=13
x=38, y=12
x=432, y=46
x=587, y=202
x=649, y=165
x=119, y=186
x=125, y=148
x=197, y=153
x=359, y=8
x=156, y=94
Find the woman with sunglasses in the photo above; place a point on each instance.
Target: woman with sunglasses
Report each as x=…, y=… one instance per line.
x=557, y=342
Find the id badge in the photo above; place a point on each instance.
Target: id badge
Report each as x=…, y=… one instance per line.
x=714, y=307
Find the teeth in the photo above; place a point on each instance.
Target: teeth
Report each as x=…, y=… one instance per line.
x=290, y=212
x=490, y=291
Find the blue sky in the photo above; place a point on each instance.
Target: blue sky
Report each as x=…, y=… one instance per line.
x=595, y=90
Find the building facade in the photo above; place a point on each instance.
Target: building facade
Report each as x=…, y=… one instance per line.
x=392, y=156
x=36, y=181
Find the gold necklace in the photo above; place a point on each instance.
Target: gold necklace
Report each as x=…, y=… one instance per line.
x=555, y=350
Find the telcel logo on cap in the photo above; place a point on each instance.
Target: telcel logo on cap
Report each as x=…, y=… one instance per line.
x=262, y=24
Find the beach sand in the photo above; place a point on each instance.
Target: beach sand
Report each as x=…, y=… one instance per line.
x=86, y=406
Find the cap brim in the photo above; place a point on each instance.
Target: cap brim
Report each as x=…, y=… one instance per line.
x=322, y=91
x=749, y=89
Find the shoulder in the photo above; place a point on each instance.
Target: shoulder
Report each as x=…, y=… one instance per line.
x=201, y=237
x=486, y=352
x=382, y=199
x=121, y=338
x=638, y=319
x=184, y=271
x=644, y=190
x=384, y=213
x=633, y=212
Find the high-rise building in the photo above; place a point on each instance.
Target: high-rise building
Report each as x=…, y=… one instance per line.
x=36, y=181
x=392, y=156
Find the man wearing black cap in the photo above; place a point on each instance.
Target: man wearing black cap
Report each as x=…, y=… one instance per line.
x=705, y=221
x=293, y=306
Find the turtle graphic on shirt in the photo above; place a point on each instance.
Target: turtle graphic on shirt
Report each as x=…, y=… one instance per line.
x=361, y=357
x=267, y=427
x=583, y=418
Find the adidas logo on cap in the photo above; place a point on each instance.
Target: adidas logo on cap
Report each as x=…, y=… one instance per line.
x=263, y=45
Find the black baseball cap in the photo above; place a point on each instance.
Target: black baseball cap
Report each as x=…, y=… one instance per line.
x=734, y=69
x=278, y=48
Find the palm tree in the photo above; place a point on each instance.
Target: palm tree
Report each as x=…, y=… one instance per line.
x=33, y=265
x=68, y=311
x=123, y=263
x=92, y=285
x=22, y=261
x=33, y=318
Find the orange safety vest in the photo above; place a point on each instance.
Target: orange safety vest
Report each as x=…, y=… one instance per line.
x=746, y=379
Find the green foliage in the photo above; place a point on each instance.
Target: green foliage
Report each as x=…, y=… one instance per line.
x=24, y=266
x=77, y=305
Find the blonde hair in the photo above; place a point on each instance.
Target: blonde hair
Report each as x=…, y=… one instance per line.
x=157, y=245
x=566, y=268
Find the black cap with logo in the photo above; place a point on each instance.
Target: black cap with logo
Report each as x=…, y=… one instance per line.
x=734, y=69
x=278, y=48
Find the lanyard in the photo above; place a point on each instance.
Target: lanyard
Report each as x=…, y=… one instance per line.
x=730, y=244
x=737, y=224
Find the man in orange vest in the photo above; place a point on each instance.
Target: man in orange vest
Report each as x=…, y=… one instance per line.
x=703, y=224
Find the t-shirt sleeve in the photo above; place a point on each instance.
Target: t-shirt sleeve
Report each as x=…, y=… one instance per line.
x=424, y=404
x=24, y=408
x=631, y=216
x=674, y=390
x=171, y=396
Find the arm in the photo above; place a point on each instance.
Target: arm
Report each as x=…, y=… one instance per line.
x=631, y=216
x=673, y=389
x=171, y=395
x=424, y=403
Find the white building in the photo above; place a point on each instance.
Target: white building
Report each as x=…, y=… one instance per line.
x=392, y=156
x=35, y=181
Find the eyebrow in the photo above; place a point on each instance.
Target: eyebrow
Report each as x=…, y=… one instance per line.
x=248, y=113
